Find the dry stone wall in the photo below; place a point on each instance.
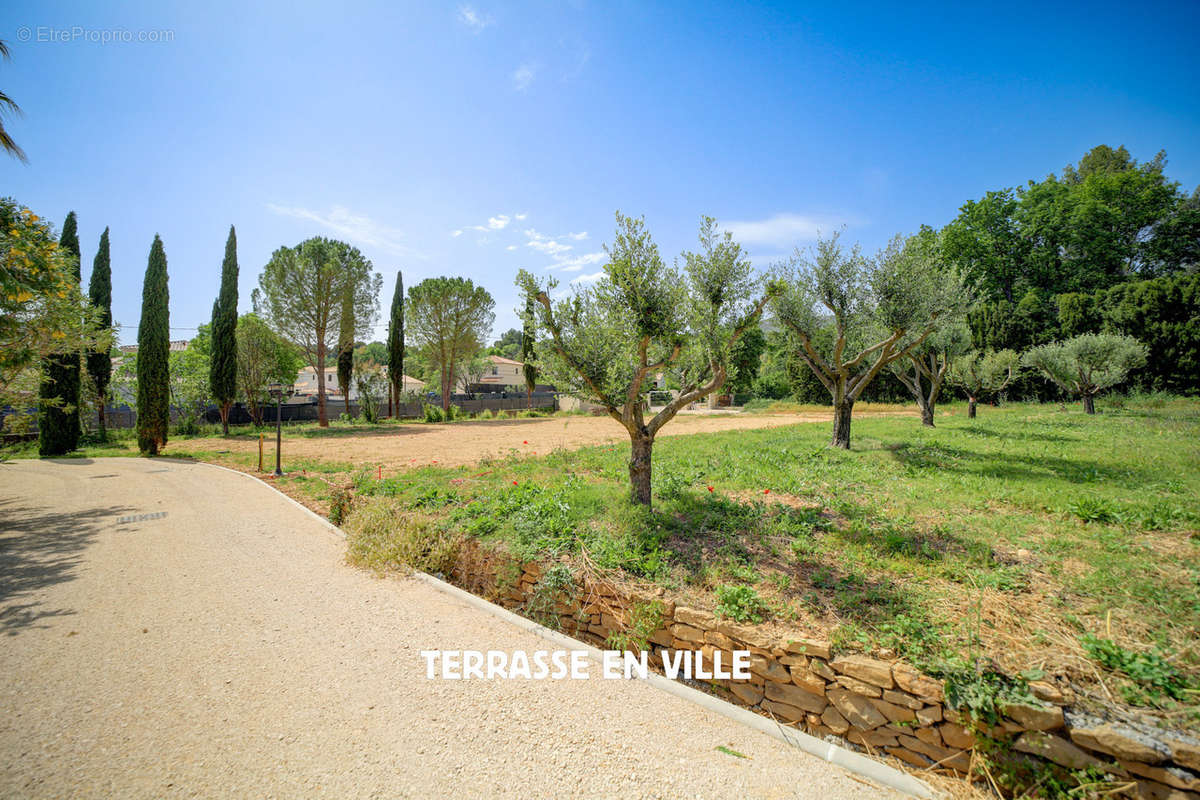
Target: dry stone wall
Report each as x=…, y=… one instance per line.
x=882, y=706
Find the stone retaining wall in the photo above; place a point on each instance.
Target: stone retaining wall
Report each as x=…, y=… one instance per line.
x=880, y=705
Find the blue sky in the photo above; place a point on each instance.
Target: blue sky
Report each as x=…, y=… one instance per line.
x=479, y=138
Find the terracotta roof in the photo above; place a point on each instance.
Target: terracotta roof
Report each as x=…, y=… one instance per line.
x=503, y=360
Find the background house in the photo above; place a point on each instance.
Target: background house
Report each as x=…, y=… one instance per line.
x=306, y=383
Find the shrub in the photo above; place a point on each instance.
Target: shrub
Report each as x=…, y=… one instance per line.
x=644, y=619
x=339, y=504
x=556, y=585
x=383, y=536
x=741, y=603
x=432, y=413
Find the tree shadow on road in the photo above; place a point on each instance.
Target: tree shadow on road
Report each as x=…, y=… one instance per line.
x=39, y=548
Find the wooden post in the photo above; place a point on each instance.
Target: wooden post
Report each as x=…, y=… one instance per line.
x=260, y=446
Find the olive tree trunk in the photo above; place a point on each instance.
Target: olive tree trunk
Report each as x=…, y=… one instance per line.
x=1089, y=403
x=641, y=448
x=926, y=412
x=842, y=414
x=970, y=408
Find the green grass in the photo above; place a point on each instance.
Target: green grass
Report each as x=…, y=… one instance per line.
x=1011, y=535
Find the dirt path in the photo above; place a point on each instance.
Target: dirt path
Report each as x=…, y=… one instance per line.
x=221, y=647
x=400, y=446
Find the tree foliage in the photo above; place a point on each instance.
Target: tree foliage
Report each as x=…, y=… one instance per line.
x=189, y=386
x=606, y=342
x=154, y=344
x=8, y=105
x=58, y=414
x=301, y=292
x=98, y=359
x=983, y=373
x=41, y=305
x=1085, y=365
x=263, y=358
x=395, y=341
x=924, y=370
x=222, y=378
x=448, y=318
x=1106, y=221
x=873, y=311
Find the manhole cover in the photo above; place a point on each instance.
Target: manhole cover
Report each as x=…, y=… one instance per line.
x=141, y=517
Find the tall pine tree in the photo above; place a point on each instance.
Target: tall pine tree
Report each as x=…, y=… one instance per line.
x=58, y=418
x=99, y=362
x=396, y=346
x=222, y=371
x=154, y=345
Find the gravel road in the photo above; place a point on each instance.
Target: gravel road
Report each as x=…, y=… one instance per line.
x=174, y=630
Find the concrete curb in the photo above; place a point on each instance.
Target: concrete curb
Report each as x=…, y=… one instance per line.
x=839, y=756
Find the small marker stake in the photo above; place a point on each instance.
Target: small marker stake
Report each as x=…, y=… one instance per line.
x=381, y=472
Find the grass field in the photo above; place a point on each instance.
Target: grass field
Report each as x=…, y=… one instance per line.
x=1038, y=537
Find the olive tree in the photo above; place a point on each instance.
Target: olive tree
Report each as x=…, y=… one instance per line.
x=924, y=371
x=1086, y=365
x=981, y=373
x=301, y=293
x=871, y=312
x=607, y=342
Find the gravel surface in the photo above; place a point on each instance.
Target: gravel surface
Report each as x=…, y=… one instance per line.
x=223, y=648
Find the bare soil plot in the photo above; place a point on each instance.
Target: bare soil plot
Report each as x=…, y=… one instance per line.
x=472, y=441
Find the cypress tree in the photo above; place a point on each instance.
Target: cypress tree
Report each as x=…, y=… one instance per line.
x=58, y=418
x=345, y=346
x=99, y=362
x=222, y=371
x=527, y=353
x=154, y=344
x=396, y=345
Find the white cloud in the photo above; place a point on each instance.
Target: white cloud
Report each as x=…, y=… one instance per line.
x=783, y=230
x=356, y=227
x=456, y=234
x=523, y=76
x=511, y=247
x=548, y=246
x=520, y=216
x=586, y=279
x=561, y=252
x=576, y=263
x=498, y=222
x=474, y=20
